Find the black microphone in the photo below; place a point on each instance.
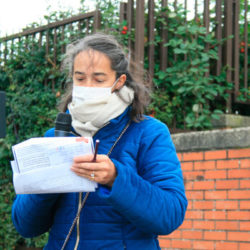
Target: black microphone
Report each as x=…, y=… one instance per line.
x=63, y=125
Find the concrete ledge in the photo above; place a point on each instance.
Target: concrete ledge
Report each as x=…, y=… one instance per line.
x=214, y=139
x=231, y=121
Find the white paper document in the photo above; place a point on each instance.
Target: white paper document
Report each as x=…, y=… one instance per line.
x=42, y=165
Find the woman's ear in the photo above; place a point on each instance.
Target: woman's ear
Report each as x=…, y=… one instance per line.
x=121, y=81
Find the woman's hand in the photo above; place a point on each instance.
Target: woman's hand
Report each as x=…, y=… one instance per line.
x=102, y=171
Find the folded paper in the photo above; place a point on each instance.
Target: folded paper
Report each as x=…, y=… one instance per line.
x=42, y=165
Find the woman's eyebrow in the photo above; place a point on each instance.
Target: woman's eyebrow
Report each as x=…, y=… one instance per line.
x=94, y=74
x=79, y=73
x=99, y=74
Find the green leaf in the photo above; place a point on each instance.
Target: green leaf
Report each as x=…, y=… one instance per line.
x=182, y=90
x=179, y=51
x=194, y=70
x=196, y=62
x=176, y=81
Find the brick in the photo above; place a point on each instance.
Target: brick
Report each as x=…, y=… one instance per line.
x=239, y=153
x=245, y=163
x=214, y=235
x=214, y=155
x=179, y=155
x=214, y=215
x=193, y=175
x=194, y=215
x=174, y=235
x=203, y=185
x=198, y=165
x=227, y=184
x=227, y=164
x=216, y=195
x=205, y=245
x=238, y=215
x=207, y=205
x=161, y=237
x=239, y=194
x=192, y=156
x=191, y=234
x=244, y=226
x=216, y=174
x=179, y=244
x=239, y=236
x=227, y=225
x=189, y=185
x=195, y=195
x=203, y=224
x=186, y=166
x=245, y=205
x=190, y=205
x=244, y=246
x=164, y=242
x=239, y=173
x=244, y=184
x=187, y=224
x=227, y=205
x=226, y=246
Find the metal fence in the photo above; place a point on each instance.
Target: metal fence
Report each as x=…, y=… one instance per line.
x=133, y=11
x=227, y=25
x=54, y=36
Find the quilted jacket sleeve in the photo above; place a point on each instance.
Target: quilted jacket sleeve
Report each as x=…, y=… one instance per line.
x=32, y=214
x=154, y=198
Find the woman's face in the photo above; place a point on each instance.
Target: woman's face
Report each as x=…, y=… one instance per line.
x=93, y=69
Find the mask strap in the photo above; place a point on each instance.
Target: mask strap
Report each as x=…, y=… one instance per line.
x=114, y=84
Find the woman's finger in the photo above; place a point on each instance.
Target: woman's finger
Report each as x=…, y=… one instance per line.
x=91, y=175
x=83, y=158
x=89, y=158
x=87, y=166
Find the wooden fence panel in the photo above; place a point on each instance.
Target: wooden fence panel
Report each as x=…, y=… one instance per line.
x=151, y=37
x=123, y=12
x=54, y=29
x=206, y=22
x=164, y=37
x=218, y=30
x=226, y=27
x=228, y=47
x=139, y=37
x=246, y=83
x=235, y=52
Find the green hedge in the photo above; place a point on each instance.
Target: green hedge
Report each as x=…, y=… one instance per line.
x=31, y=110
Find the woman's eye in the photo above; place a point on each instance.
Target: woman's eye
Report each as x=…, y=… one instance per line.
x=99, y=80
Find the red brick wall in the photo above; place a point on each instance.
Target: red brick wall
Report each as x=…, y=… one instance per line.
x=218, y=190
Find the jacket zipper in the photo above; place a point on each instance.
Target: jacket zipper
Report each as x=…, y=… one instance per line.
x=79, y=207
x=78, y=223
x=100, y=129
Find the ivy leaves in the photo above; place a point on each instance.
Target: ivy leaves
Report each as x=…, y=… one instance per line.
x=187, y=82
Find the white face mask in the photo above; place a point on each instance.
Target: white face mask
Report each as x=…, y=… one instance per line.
x=81, y=94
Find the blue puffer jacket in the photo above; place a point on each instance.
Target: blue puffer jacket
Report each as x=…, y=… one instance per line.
x=147, y=198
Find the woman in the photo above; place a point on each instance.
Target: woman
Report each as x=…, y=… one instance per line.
x=140, y=191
